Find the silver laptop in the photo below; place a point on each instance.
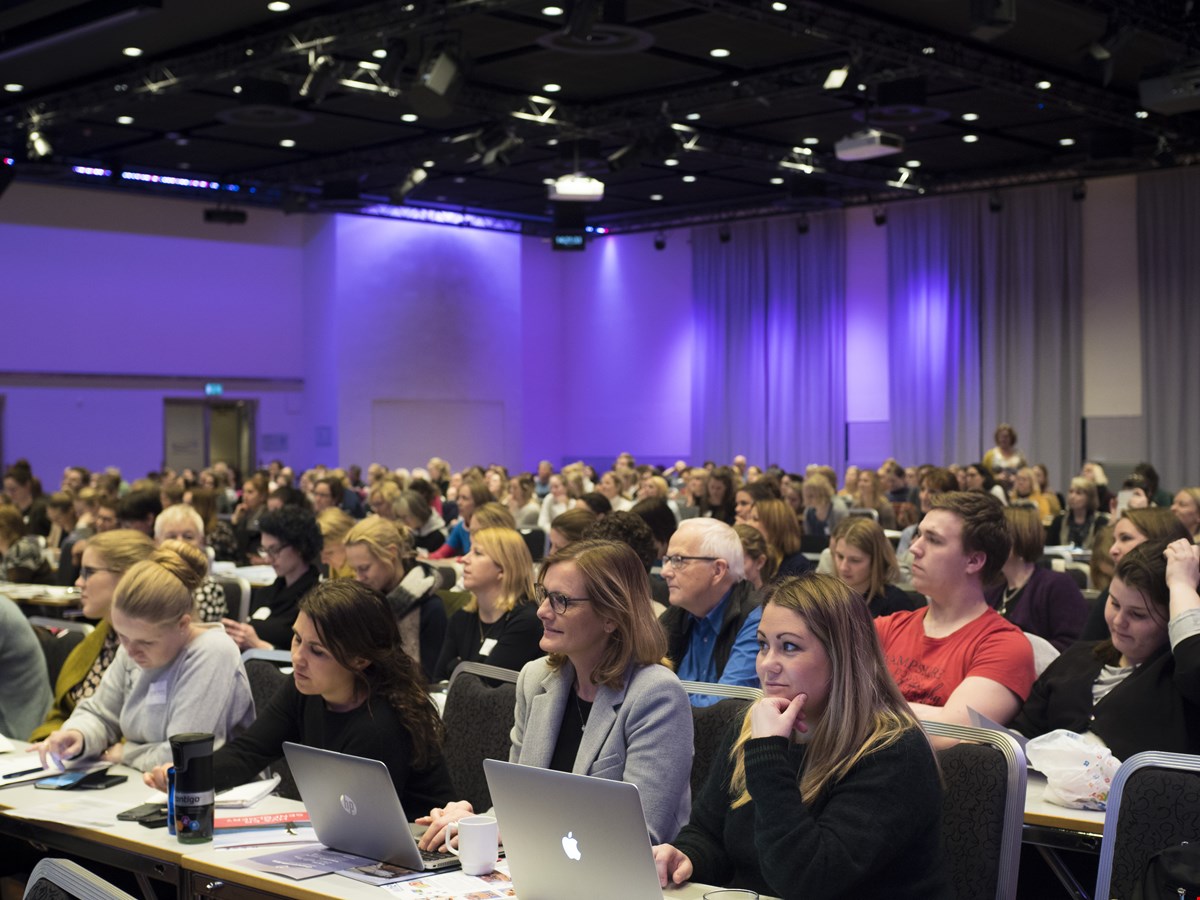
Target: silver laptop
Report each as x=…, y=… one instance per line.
x=572, y=837
x=354, y=808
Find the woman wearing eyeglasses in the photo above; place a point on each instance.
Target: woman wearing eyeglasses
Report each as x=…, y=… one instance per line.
x=291, y=540
x=601, y=703
x=106, y=558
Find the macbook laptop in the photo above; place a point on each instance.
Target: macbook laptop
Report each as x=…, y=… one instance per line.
x=354, y=808
x=572, y=837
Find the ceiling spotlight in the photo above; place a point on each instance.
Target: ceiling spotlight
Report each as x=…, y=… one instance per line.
x=692, y=117
x=552, y=10
x=660, y=241
x=718, y=52
x=13, y=88
x=912, y=164
x=670, y=162
x=836, y=78
x=132, y=51
x=278, y=6
x=776, y=180
x=39, y=146
x=1141, y=113
x=811, y=141
x=880, y=216
x=287, y=143
x=779, y=7
x=124, y=120
x=552, y=88
x=404, y=188
x=1066, y=142
x=689, y=178
x=409, y=117
x=723, y=233
x=970, y=117
x=1043, y=85
x=379, y=53
x=970, y=138
x=656, y=197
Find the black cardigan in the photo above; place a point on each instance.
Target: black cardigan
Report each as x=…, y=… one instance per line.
x=1156, y=708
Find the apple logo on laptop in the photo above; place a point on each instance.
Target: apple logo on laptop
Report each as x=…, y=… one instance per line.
x=348, y=804
x=571, y=847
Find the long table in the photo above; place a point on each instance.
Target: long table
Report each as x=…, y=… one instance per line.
x=1052, y=828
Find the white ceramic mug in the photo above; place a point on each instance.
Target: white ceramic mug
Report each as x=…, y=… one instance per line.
x=478, y=843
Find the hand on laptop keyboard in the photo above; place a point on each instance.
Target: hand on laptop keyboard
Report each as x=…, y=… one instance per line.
x=437, y=820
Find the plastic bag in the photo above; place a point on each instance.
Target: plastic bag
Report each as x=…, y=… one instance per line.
x=1079, y=772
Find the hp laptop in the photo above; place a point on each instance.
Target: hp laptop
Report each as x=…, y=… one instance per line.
x=572, y=837
x=354, y=808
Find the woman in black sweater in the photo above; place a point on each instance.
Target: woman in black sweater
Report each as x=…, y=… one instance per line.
x=353, y=691
x=829, y=787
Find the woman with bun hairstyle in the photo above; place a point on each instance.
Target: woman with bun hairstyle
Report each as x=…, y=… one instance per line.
x=169, y=676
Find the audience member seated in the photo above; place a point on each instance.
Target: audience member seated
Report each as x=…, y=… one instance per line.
x=1101, y=566
x=1043, y=485
x=781, y=528
x=26, y=694
x=492, y=515
x=827, y=787
x=335, y=524
x=499, y=625
x=60, y=509
x=721, y=495
x=601, y=703
x=1026, y=492
x=1094, y=472
x=822, y=510
x=714, y=611
x=1131, y=528
x=1004, y=460
x=291, y=541
x=25, y=492
x=1135, y=493
x=1186, y=507
x=106, y=558
x=756, y=560
x=139, y=509
x=472, y=494
x=1037, y=600
x=246, y=515
x=864, y=560
x=427, y=527
x=521, y=500
x=610, y=486
x=383, y=499
x=383, y=558
x=870, y=496
x=21, y=558
x=555, y=503
x=352, y=691
x=568, y=527
x=979, y=478
x=182, y=523
x=629, y=528
x=933, y=480
x=218, y=534
x=958, y=652
x=170, y=676
x=749, y=494
x=1078, y=524
x=1140, y=689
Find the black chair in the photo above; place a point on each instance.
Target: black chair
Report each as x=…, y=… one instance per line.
x=237, y=596
x=264, y=672
x=983, y=810
x=61, y=879
x=1154, y=803
x=57, y=639
x=535, y=540
x=710, y=724
x=479, y=721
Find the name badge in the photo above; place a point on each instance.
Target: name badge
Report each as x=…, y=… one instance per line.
x=487, y=646
x=262, y=613
x=157, y=695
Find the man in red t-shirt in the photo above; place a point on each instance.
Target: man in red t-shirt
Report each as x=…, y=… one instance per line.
x=958, y=653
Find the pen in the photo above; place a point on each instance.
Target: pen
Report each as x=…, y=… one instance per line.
x=23, y=773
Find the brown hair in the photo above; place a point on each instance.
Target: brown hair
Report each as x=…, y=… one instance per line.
x=866, y=535
x=1026, y=531
x=781, y=526
x=121, y=548
x=984, y=529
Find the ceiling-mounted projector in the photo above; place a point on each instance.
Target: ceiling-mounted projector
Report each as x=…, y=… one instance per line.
x=868, y=144
x=577, y=188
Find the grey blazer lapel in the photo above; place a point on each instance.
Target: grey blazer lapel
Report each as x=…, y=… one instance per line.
x=546, y=710
x=601, y=721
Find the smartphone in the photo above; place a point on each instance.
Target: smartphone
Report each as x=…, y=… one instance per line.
x=99, y=781
x=145, y=811
x=62, y=782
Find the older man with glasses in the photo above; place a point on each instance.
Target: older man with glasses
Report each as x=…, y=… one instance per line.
x=712, y=624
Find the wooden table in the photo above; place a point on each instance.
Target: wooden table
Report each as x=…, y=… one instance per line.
x=1052, y=828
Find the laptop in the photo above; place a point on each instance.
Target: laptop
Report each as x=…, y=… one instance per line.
x=590, y=841
x=353, y=807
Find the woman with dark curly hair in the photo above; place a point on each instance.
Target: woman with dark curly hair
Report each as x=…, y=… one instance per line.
x=353, y=690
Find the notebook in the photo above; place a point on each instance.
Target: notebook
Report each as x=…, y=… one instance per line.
x=353, y=807
x=572, y=837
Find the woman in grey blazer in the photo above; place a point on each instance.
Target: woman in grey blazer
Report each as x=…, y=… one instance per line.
x=601, y=703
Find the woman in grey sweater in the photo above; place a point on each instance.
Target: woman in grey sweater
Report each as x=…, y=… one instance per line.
x=169, y=676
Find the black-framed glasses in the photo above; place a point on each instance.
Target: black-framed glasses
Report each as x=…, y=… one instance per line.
x=560, y=603
x=678, y=561
x=271, y=552
x=86, y=572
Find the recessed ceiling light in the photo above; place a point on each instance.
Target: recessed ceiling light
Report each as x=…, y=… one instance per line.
x=287, y=142
x=913, y=163
x=670, y=162
x=970, y=138
x=551, y=88
x=656, y=197
x=124, y=120
x=1142, y=114
x=279, y=6
x=132, y=51
x=689, y=178
x=549, y=180
x=811, y=141
x=861, y=87
x=779, y=7
x=1043, y=85
x=1066, y=142
x=553, y=142
x=408, y=117
x=429, y=164
x=552, y=10
x=718, y=52
x=929, y=51
x=776, y=181
x=237, y=88
x=379, y=53
x=970, y=117
x=14, y=88
x=692, y=117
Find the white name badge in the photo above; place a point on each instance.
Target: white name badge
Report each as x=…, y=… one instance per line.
x=487, y=646
x=262, y=613
x=157, y=695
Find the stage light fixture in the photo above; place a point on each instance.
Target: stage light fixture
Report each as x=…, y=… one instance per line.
x=660, y=241
x=404, y=188
x=439, y=78
x=880, y=216
x=320, y=77
x=39, y=145
x=836, y=79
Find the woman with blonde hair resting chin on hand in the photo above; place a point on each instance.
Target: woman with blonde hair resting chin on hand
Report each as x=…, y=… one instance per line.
x=169, y=676
x=829, y=788
x=602, y=703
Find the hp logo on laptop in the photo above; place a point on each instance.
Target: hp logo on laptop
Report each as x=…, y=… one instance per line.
x=348, y=804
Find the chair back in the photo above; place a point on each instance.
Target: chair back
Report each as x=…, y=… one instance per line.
x=1154, y=803
x=535, y=540
x=62, y=879
x=983, y=810
x=56, y=645
x=1044, y=652
x=479, y=720
x=863, y=511
x=237, y=596
x=710, y=724
x=264, y=674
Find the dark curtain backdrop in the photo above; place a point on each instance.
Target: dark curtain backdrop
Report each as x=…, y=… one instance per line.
x=770, y=378
x=1169, y=283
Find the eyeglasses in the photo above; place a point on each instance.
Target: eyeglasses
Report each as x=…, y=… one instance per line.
x=271, y=552
x=678, y=562
x=560, y=603
x=86, y=572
